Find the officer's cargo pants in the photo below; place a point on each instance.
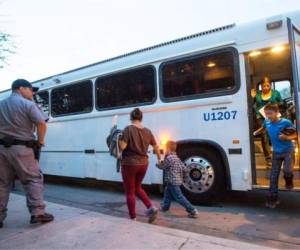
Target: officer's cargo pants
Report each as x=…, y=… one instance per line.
x=19, y=160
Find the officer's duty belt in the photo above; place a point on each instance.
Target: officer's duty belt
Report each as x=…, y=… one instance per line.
x=30, y=144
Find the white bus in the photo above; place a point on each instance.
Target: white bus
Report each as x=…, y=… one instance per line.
x=194, y=90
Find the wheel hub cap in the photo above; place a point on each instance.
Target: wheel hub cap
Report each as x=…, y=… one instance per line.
x=200, y=175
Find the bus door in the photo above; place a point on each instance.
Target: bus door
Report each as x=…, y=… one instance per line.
x=280, y=64
x=294, y=40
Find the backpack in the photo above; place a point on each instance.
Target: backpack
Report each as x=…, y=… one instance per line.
x=112, y=142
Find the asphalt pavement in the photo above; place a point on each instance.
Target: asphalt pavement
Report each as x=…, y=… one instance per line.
x=75, y=228
x=238, y=216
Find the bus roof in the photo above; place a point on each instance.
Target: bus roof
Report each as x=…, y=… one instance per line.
x=147, y=49
x=241, y=34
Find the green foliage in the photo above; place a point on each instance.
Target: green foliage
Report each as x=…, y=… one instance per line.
x=6, y=48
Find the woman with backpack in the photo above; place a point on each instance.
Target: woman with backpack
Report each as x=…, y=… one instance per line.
x=134, y=143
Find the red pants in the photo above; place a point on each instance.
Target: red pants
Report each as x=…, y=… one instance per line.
x=132, y=180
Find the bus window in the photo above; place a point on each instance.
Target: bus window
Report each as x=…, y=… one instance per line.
x=125, y=89
x=42, y=100
x=72, y=99
x=284, y=88
x=201, y=75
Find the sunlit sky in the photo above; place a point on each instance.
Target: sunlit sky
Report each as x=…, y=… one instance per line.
x=53, y=36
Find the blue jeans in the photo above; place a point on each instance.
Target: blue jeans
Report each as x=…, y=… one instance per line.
x=174, y=193
x=288, y=161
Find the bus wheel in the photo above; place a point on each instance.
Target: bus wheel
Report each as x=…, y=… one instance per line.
x=204, y=179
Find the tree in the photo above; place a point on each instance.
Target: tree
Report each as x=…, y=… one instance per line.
x=6, y=48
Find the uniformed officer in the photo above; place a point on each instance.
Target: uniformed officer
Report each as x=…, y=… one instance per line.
x=18, y=115
x=46, y=118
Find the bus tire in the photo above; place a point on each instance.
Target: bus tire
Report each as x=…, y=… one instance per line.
x=205, y=179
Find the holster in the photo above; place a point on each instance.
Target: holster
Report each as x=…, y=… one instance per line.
x=36, y=149
x=8, y=141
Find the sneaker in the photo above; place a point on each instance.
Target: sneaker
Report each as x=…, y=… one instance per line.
x=1, y=224
x=289, y=183
x=152, y=214
x=43, y=218
x=272, y=203
x=161, y=209
x=194, y=214
x=289, y=186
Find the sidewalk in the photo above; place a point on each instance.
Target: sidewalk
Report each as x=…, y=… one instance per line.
x=75, y=228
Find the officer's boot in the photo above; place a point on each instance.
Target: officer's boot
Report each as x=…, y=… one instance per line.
x=1, y=224
x=289, y=183
x=43, y=218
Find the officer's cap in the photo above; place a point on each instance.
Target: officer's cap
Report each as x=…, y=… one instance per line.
x=23, y=83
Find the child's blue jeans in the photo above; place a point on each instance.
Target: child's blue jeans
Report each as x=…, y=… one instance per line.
x=173, y=192
x=288, y=160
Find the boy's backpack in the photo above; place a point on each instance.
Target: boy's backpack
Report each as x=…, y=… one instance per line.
x=112, y=142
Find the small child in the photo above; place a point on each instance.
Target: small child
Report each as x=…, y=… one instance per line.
x=281, y=132
x=173, y=179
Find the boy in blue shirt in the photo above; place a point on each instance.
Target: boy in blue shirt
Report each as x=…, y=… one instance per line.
x=281, y=132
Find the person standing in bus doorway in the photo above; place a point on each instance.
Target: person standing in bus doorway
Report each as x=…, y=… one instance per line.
x=17, y=143
x=134, y=143
x=262, y=98
x=281, y=132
